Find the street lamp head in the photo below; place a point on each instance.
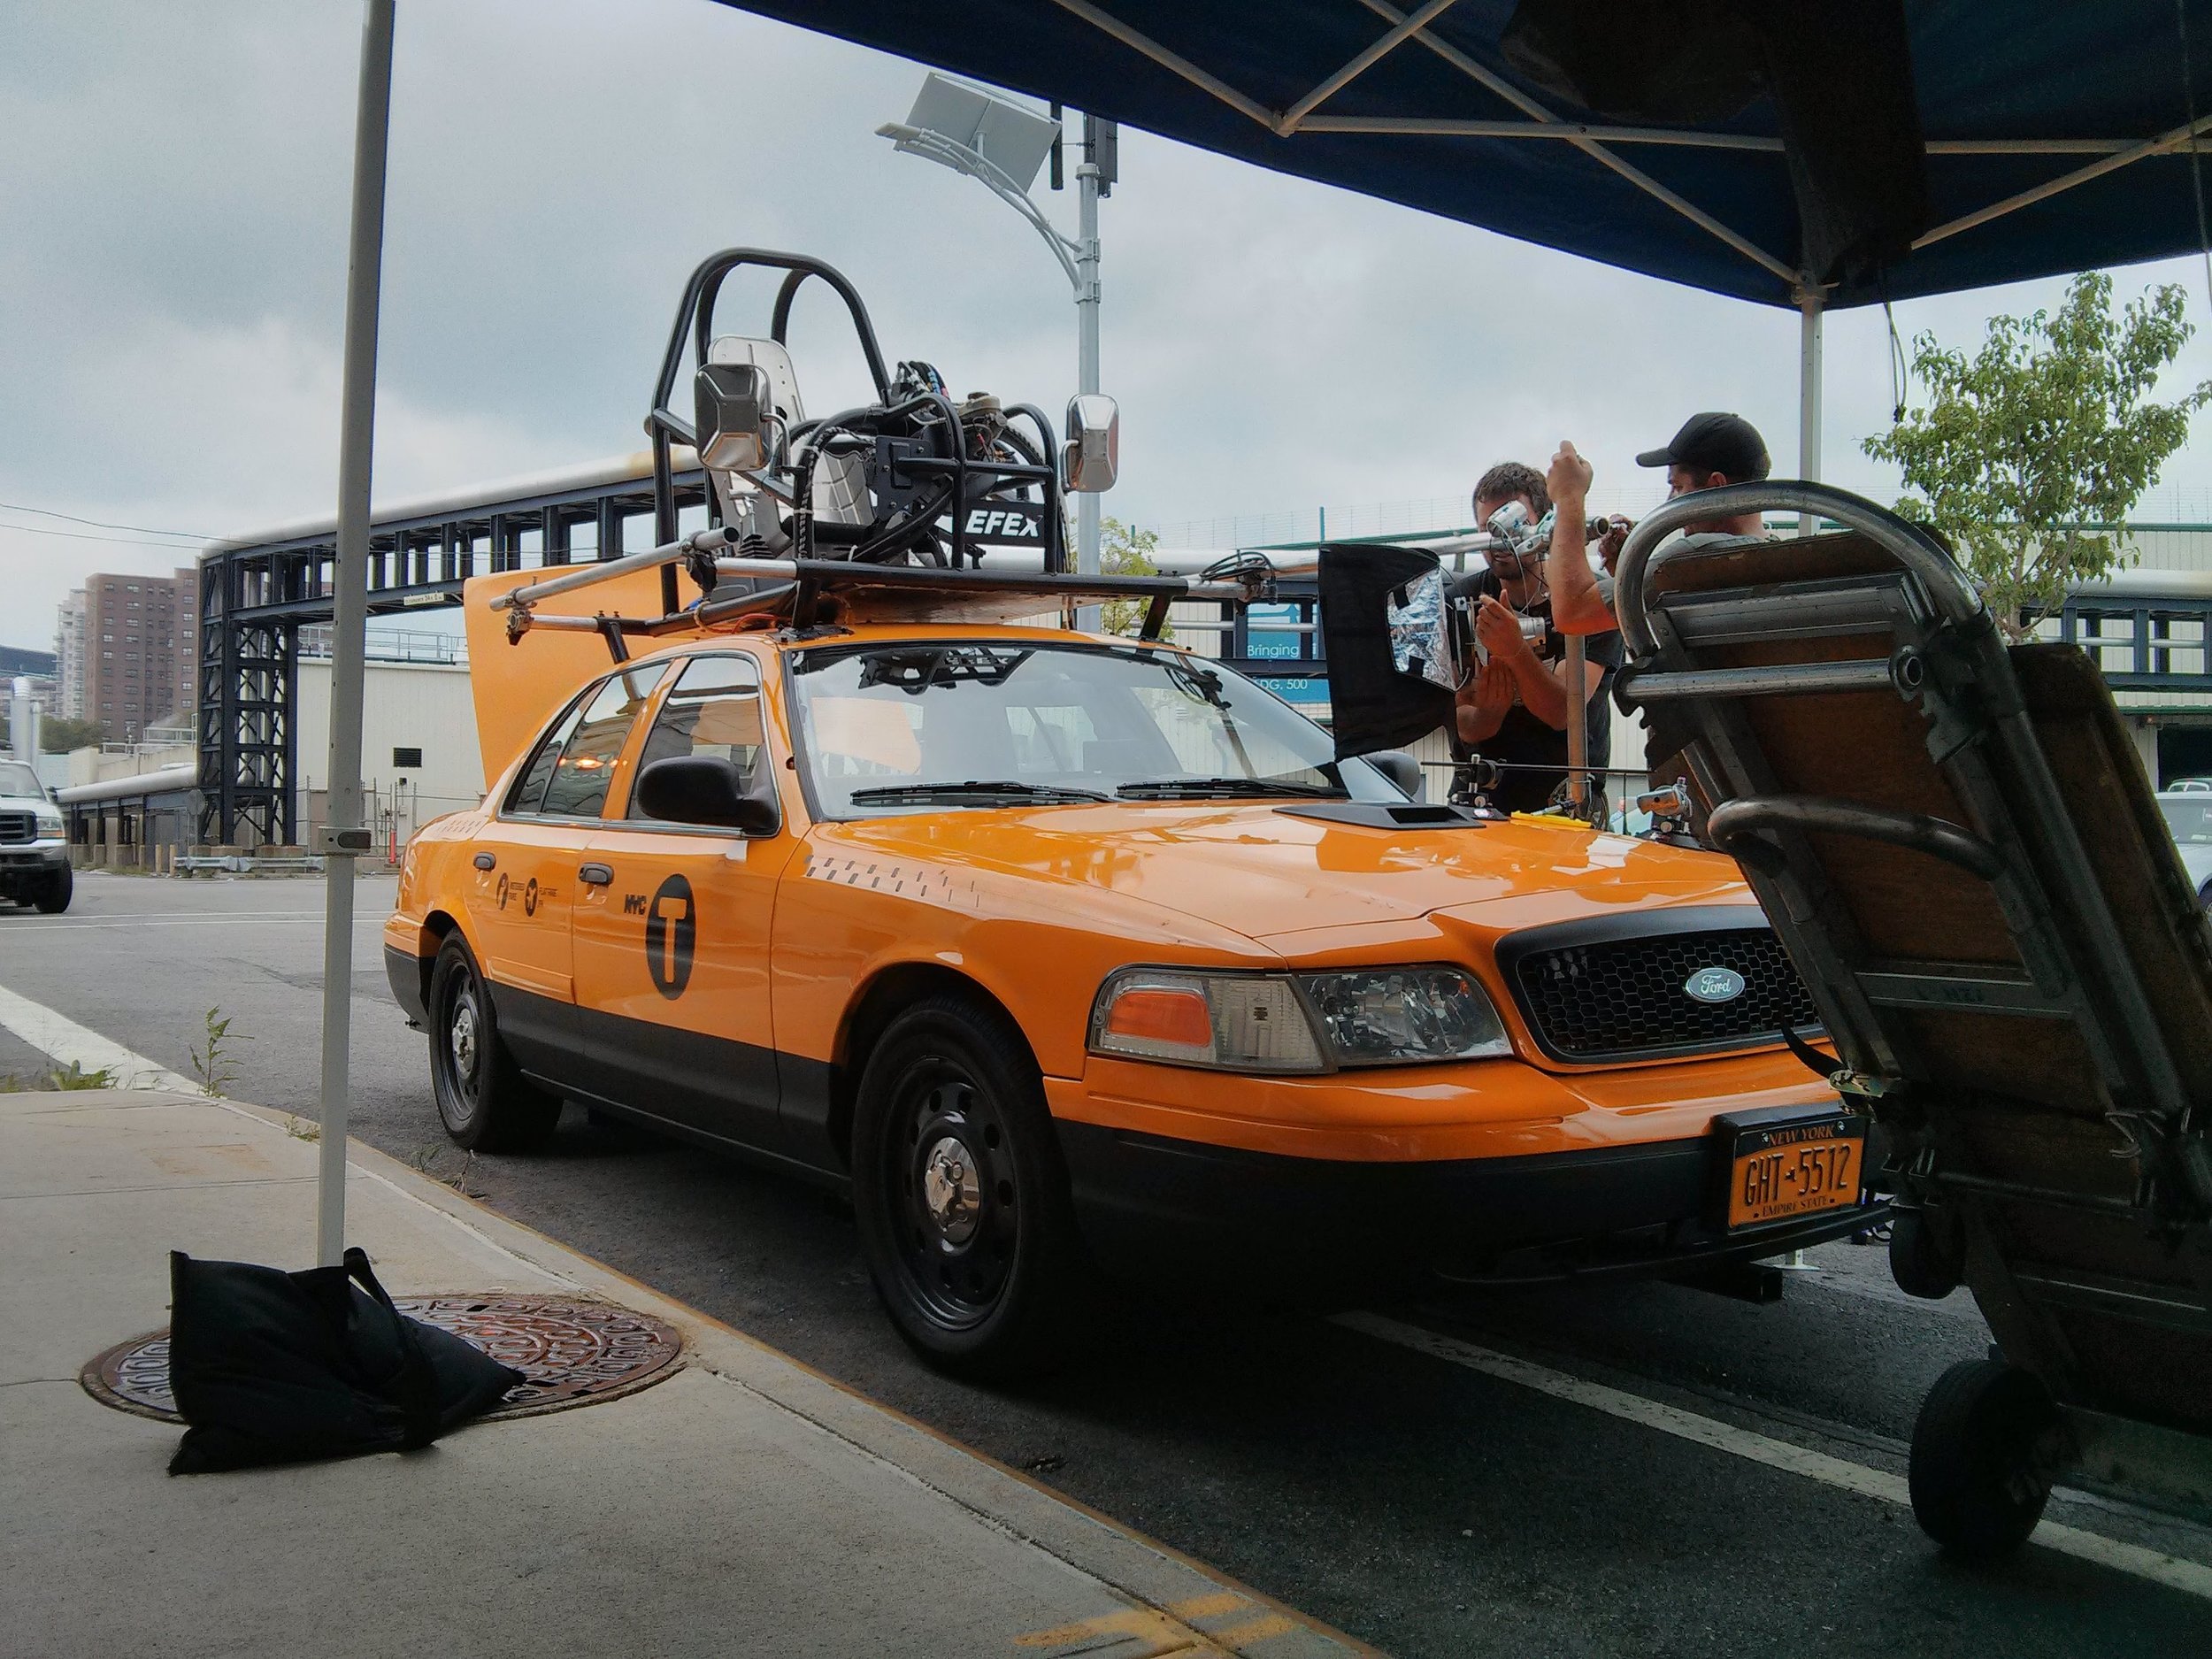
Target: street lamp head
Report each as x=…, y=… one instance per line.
x=1013, y=139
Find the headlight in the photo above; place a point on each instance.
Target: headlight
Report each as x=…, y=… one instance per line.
x=1400, y=1016
x=1235, y=1022
x=1296, y=1023
x=49, y=823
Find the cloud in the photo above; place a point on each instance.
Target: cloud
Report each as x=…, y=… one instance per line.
x=173, y=182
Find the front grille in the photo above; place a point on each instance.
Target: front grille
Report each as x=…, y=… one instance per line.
x=1623, y=999
x=17, y=828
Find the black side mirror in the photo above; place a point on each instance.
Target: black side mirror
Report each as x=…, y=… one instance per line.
x=705, y=789
x=1401, y=769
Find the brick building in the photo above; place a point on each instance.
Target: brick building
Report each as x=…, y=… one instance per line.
x=140, y=654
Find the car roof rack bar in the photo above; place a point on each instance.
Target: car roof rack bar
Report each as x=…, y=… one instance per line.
x=711, y=540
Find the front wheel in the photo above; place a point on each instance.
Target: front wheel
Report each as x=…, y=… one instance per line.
x=961, y=1195
x=1984, y=1448
x=53, y=893
x=485, y=1102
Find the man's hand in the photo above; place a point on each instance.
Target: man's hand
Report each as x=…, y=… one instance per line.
x=1568, y=480
x=1498, y=626
x=1486, y=702
x=1612, y=541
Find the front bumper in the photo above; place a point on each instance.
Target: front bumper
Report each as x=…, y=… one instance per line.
x=1326, y=1230
x=33, y=858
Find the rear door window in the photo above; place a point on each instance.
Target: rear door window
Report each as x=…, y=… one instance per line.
x=569, y=775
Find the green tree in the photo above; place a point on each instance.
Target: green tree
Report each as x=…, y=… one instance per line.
x=1125, y=550
x=58, y=736
x=2029, y=456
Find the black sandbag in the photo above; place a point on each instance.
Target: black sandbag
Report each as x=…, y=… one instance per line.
x=272, y=1367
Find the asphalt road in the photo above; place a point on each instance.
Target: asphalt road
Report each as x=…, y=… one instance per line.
x=1428, y=1506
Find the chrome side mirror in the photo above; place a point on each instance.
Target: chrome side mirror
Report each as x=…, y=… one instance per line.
x=1092, y=456
x=734, y=406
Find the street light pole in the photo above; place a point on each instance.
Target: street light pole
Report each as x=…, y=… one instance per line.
x=1087, y=299
x=1003, y=145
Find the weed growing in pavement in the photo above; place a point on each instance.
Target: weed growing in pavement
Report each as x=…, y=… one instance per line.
x=212, y=1061
x=460, y=1179
x=303, y=1128
x=71, y=1076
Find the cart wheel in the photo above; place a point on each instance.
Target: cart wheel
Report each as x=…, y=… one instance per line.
x=1982, y=1452
x=1917, y=1260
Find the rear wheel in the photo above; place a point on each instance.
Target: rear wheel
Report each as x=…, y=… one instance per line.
x=1984, y=1449
x=485, y=1102
x=961, y=1194
x=52, y=893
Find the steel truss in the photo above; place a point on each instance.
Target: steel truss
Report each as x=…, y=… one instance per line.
x=255, y=596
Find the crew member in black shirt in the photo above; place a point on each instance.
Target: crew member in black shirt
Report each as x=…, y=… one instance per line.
x=1514, y=709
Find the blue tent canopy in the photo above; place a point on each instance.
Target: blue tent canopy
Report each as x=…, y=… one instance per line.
x=1426, y=107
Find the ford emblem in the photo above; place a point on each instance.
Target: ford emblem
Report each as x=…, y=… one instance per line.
x=1714, y=985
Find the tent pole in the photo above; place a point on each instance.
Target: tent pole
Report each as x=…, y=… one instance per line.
x=1808, y=310
x=342, y=835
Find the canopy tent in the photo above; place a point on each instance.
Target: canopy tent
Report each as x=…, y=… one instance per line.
x=2057, y=133
x=1794, y=152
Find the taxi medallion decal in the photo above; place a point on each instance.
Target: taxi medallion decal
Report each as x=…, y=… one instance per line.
x=671, y=926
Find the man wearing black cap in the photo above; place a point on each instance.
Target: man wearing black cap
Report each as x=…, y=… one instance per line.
x=1710, y=451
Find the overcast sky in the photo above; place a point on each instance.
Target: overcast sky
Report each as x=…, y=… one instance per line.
x=173, y=221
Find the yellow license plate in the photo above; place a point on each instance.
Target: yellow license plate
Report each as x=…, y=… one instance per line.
x=1782, y=1171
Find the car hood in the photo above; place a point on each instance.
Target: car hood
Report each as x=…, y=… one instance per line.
x=1275, y=877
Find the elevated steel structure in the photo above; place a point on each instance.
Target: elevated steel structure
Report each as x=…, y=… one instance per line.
x=257, y=592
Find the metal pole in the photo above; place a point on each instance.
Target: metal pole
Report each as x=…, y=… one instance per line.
x=343, y=835
x=1809, y=311
x=1087, y=299
x=1577, y=726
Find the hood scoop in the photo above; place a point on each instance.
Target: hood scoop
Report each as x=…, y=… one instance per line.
x=1390, y=815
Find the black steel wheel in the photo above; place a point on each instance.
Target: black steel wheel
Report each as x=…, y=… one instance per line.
x=961, y=1194
x=1984, y=1448
x=1922, y=1257
x=485, y=1102
x=53, y=892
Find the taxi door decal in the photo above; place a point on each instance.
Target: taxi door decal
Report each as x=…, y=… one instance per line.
x=671, y=927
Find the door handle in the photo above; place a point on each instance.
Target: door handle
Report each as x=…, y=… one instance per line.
x=485, y=861
x=595, y=875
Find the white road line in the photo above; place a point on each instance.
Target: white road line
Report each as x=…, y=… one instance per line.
x=93, y=923
x=2174, y=1571
x=64, y=1041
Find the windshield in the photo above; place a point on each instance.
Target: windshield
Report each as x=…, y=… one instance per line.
x=909, y=728
x=17, y=779
x=2190, y=818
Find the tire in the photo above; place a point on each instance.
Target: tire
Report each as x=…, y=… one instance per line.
x=1919, y=1258
x=962, y=1197
x=52, y=895
x=1982, y=1452
x=484, y=1101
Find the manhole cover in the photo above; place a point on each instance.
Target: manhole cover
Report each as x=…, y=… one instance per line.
x=571, y=1352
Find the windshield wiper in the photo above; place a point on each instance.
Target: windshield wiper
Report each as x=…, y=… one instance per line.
x=975, y=792
x=1196, y=788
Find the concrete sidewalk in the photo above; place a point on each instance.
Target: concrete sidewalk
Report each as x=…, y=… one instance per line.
x=745, y=1506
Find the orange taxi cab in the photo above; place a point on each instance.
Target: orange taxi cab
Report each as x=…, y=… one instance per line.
x=1055, y=949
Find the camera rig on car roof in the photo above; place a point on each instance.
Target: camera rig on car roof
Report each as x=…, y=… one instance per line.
x=886, y=509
